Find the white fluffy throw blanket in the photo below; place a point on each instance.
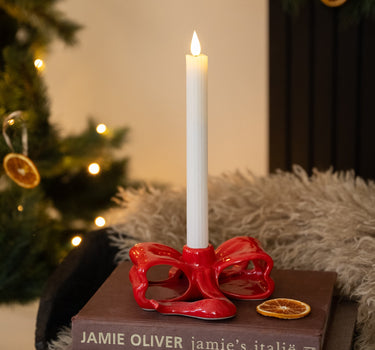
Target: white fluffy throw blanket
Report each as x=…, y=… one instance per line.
x=322, y=222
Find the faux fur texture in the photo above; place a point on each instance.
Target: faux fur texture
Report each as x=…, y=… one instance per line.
x=322, y=222
x=63, y=341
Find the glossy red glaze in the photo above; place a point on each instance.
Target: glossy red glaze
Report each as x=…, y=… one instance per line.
x=198, y=281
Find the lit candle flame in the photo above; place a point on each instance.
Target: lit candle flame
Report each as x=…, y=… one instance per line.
x=195, y=45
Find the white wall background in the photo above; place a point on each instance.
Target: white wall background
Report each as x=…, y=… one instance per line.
x=17, y=326
x=129, y=69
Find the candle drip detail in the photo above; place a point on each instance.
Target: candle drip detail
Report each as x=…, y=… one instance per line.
x=200, y=280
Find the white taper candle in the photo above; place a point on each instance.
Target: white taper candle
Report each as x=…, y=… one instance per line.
x=196, y=147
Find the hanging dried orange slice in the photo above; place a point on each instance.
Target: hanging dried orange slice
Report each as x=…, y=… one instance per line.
x=333, y=3
x=21, y=170
x=284, y=308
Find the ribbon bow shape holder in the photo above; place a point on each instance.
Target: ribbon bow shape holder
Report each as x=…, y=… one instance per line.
x=198, y=282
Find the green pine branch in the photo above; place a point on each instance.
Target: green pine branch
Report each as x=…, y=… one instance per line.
x=46, y=21
x=31, y=243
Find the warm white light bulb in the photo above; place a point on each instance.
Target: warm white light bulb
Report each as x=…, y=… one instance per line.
x=101, y=128
x=76, y=241
x=39, y=64
x=94, y=168
x=195, y=46
x=100, y=221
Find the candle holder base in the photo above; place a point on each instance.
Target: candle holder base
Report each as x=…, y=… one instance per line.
x=198, y=282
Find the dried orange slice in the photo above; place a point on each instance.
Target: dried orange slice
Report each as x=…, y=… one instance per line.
x=284, y=308
x=333, y=3
x=21, y=170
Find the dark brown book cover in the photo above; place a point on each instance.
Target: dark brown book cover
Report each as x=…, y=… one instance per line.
x=341, y=325
x=113, y=320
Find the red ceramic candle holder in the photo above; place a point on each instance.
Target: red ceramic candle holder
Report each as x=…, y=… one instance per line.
x=198, y=282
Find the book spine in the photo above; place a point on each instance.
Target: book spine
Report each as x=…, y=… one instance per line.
x=91, y=335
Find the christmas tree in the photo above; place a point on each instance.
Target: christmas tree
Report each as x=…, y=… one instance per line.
x=37, y=220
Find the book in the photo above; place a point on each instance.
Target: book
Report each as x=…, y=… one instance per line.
x=341, y=327
x=112, y=319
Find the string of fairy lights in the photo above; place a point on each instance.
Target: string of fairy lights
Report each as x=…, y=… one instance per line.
x=92, y=168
